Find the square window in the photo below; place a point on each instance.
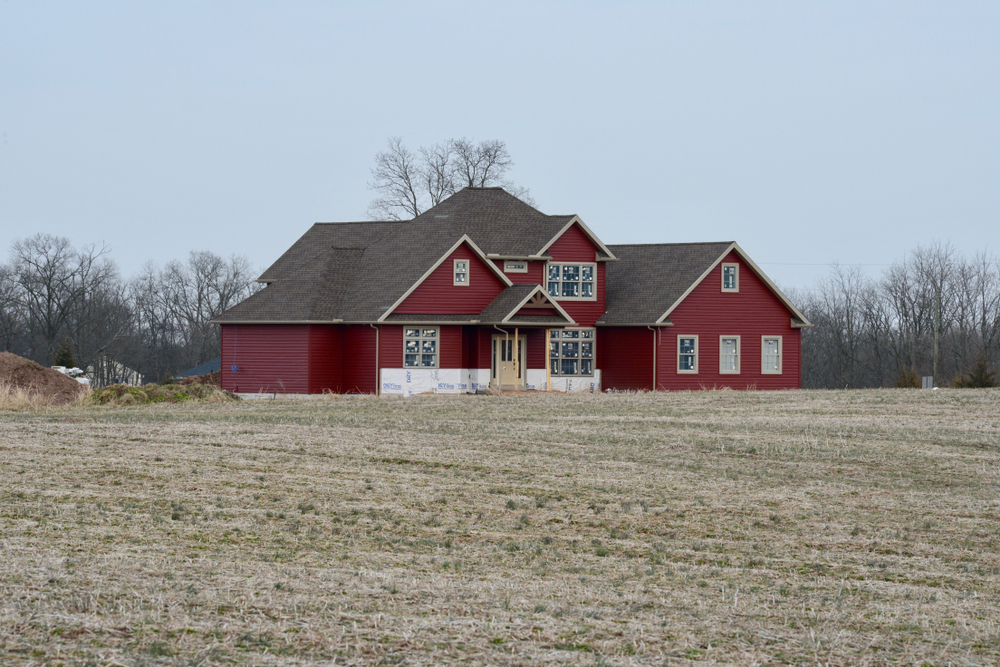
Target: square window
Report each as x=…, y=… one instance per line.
x=572, y=281
x=571, y=351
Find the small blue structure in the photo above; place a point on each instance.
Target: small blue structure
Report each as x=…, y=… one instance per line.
x=201, y=369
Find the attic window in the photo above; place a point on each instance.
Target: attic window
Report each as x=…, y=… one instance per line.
x=730, y=277
x=572, y=282
x=461, y=273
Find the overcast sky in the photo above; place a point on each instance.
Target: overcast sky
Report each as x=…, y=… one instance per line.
x=808, y=132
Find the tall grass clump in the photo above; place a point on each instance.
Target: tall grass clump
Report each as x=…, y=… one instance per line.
x=123, y=394
x=14, y=399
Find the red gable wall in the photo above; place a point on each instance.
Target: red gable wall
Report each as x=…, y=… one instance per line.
x=575, y=246
x=532, y=277
x=438, y=295
x=709, y=313
x=268, y=358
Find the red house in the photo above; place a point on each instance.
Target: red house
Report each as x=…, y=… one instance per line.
x=485, y=291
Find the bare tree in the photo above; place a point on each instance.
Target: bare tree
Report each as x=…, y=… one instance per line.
x=399, y=180
x=200, y=289
x=409, y=183
x=54, y=282
x=11, y=322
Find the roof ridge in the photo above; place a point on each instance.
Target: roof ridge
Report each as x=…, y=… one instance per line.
x=651, y=245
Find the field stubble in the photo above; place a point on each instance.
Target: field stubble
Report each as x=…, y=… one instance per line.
x=810, y=527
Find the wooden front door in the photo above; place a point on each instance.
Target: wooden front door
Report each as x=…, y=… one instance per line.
x=508, y=363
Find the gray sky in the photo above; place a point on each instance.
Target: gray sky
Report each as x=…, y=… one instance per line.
x=808, y=132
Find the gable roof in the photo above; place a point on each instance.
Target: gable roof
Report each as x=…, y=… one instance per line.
x=650, y=280
x=360, y=271
x=504, y=308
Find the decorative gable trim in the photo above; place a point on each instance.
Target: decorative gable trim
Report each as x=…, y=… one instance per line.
x=608, y=255
x=538, y=298
x=475, y=249
x=804, y=323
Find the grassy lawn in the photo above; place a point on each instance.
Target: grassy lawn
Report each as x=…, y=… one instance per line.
x=813, y=527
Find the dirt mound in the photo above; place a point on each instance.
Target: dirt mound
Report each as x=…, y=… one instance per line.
x=21, y=373
x=211, y=379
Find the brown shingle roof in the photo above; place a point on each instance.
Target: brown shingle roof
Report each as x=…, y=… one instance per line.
x=648, y=278
x=356, y=271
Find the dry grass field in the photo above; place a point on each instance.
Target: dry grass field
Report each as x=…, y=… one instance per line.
x=841, y=528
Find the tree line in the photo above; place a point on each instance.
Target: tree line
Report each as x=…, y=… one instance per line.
x=66, y=305
x=933, y=313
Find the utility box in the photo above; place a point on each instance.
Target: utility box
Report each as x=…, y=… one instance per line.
x=928, y=382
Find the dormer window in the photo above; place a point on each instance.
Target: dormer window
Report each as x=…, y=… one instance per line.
x=730, y=277
x=461, y=272
x=571, y=281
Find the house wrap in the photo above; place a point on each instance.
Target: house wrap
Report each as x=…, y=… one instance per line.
x=484, y=291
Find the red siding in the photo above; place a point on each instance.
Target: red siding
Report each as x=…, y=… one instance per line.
x=390, y=347
x=439, y=296
x=575, y=246
x=625, y=357
x=325, y=354
x=268, y=358
x=451, y=347
x=358, y=375
x=708, y=312
x=537, y=351
x=486, y=348
x=470, y=347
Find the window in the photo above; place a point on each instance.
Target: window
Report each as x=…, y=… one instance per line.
x=461, y=272
x=729, y=354
x=420, y=347
x=687, y=354
x=572, y=281
x=571, y=351
x=730, y=277
x=515, y=267
x=770, y=355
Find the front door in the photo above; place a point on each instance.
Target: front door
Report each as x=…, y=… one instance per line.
x=508, y=363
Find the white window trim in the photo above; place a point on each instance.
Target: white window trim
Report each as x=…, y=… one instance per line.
x=593, y=354
x=510, y=263
x=420, y=339
x=739, y=353
x=593, y=265
x=736, y=266
x=687, y=371
x=781, y=363
x=455, y=272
